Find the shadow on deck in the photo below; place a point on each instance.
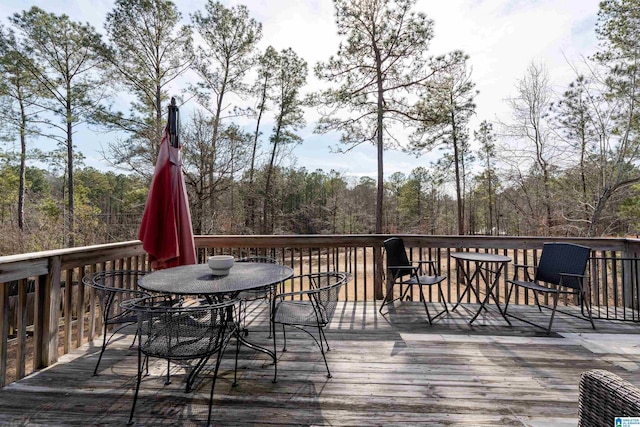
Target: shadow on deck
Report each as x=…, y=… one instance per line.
x=387, y=370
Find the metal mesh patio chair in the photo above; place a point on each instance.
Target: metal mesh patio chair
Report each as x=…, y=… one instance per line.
x=561, y=270
x=263, y=294
x=404, y=273
x=112, y=287
x=311, y=307
x=183, y=333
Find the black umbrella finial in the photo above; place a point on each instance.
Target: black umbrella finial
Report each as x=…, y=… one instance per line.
x=174, y=123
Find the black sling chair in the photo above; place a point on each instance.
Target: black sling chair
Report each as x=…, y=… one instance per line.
x=402, y=272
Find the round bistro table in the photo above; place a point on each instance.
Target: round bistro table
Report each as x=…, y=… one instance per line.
x=197, y=279
x=481, y=260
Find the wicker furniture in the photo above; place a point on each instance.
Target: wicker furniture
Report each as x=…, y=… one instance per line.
x=310, y=308
x=561, y=270
x=604, y=396
x=113, y=287
x=182, y=333
x=402, y=272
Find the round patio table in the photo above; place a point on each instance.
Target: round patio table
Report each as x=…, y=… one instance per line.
x=197, y=279
x=481, y=260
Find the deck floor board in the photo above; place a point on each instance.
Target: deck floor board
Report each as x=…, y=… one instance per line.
x=389, y=370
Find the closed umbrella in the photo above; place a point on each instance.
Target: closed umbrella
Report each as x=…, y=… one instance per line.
x=165, y=231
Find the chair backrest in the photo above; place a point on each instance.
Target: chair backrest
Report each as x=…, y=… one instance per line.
x=397, y=258
x=115, y=286
x=325, y=290
x=258, y=258
x=175, y=331
x=114, y=280
x=565, y=258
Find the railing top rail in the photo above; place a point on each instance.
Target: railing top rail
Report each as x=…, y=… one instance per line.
x=13, y=267
x=370, y=240
x=20, y=266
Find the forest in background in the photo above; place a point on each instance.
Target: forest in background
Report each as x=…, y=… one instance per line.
x=564, y=163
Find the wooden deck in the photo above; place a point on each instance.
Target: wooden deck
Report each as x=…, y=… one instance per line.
x=387, y=370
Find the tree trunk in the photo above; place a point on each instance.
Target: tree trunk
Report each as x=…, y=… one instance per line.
x=251, y=201
x=456, y=162
x=378, y=282
x=267, y=187
x=23, y=166
x=72, y=228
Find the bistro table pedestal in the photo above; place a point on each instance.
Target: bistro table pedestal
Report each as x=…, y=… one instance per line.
x=482, y=263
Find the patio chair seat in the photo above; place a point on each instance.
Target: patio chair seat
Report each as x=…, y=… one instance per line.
x=534, y=286
x=301, y=313
x=309, y=309
x=423, y=280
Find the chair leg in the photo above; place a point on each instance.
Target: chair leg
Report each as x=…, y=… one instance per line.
x=426, y=308
x=213, y=382
x=270, y=324
x=444, y=301
x=135, y=395
x=585, y=303
x=535, y=296
x=506, y=303
x=275, y=354
x=321, y=335
x=235, y=369
x=284, y=338
x=385, y=300
x=555, y=305
x=389, y=292
x=405, y=292
x=105, y=318
x=104, y=346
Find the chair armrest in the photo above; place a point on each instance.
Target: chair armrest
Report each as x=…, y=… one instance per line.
x=576, y=276
x=527, y=269
x=583, y=276
x=605, y=396
x=430, y=262
x=296, y=293
x=524, y=266
x=414, y=270
x=389, y=267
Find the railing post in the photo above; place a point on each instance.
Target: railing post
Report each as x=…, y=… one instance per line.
x=51, y=316
x=627, y=279
x=377, y=274
x=4, y=331
x=21, y=329
x=38, y=321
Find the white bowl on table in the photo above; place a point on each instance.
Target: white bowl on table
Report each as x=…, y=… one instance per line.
x=220, y=264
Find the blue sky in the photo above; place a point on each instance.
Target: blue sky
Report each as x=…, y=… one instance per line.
x=502, y=37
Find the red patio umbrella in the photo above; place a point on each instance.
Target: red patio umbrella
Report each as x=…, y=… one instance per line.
x=165, y=231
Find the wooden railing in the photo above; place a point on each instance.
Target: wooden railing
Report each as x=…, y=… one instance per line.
x=45, y=311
